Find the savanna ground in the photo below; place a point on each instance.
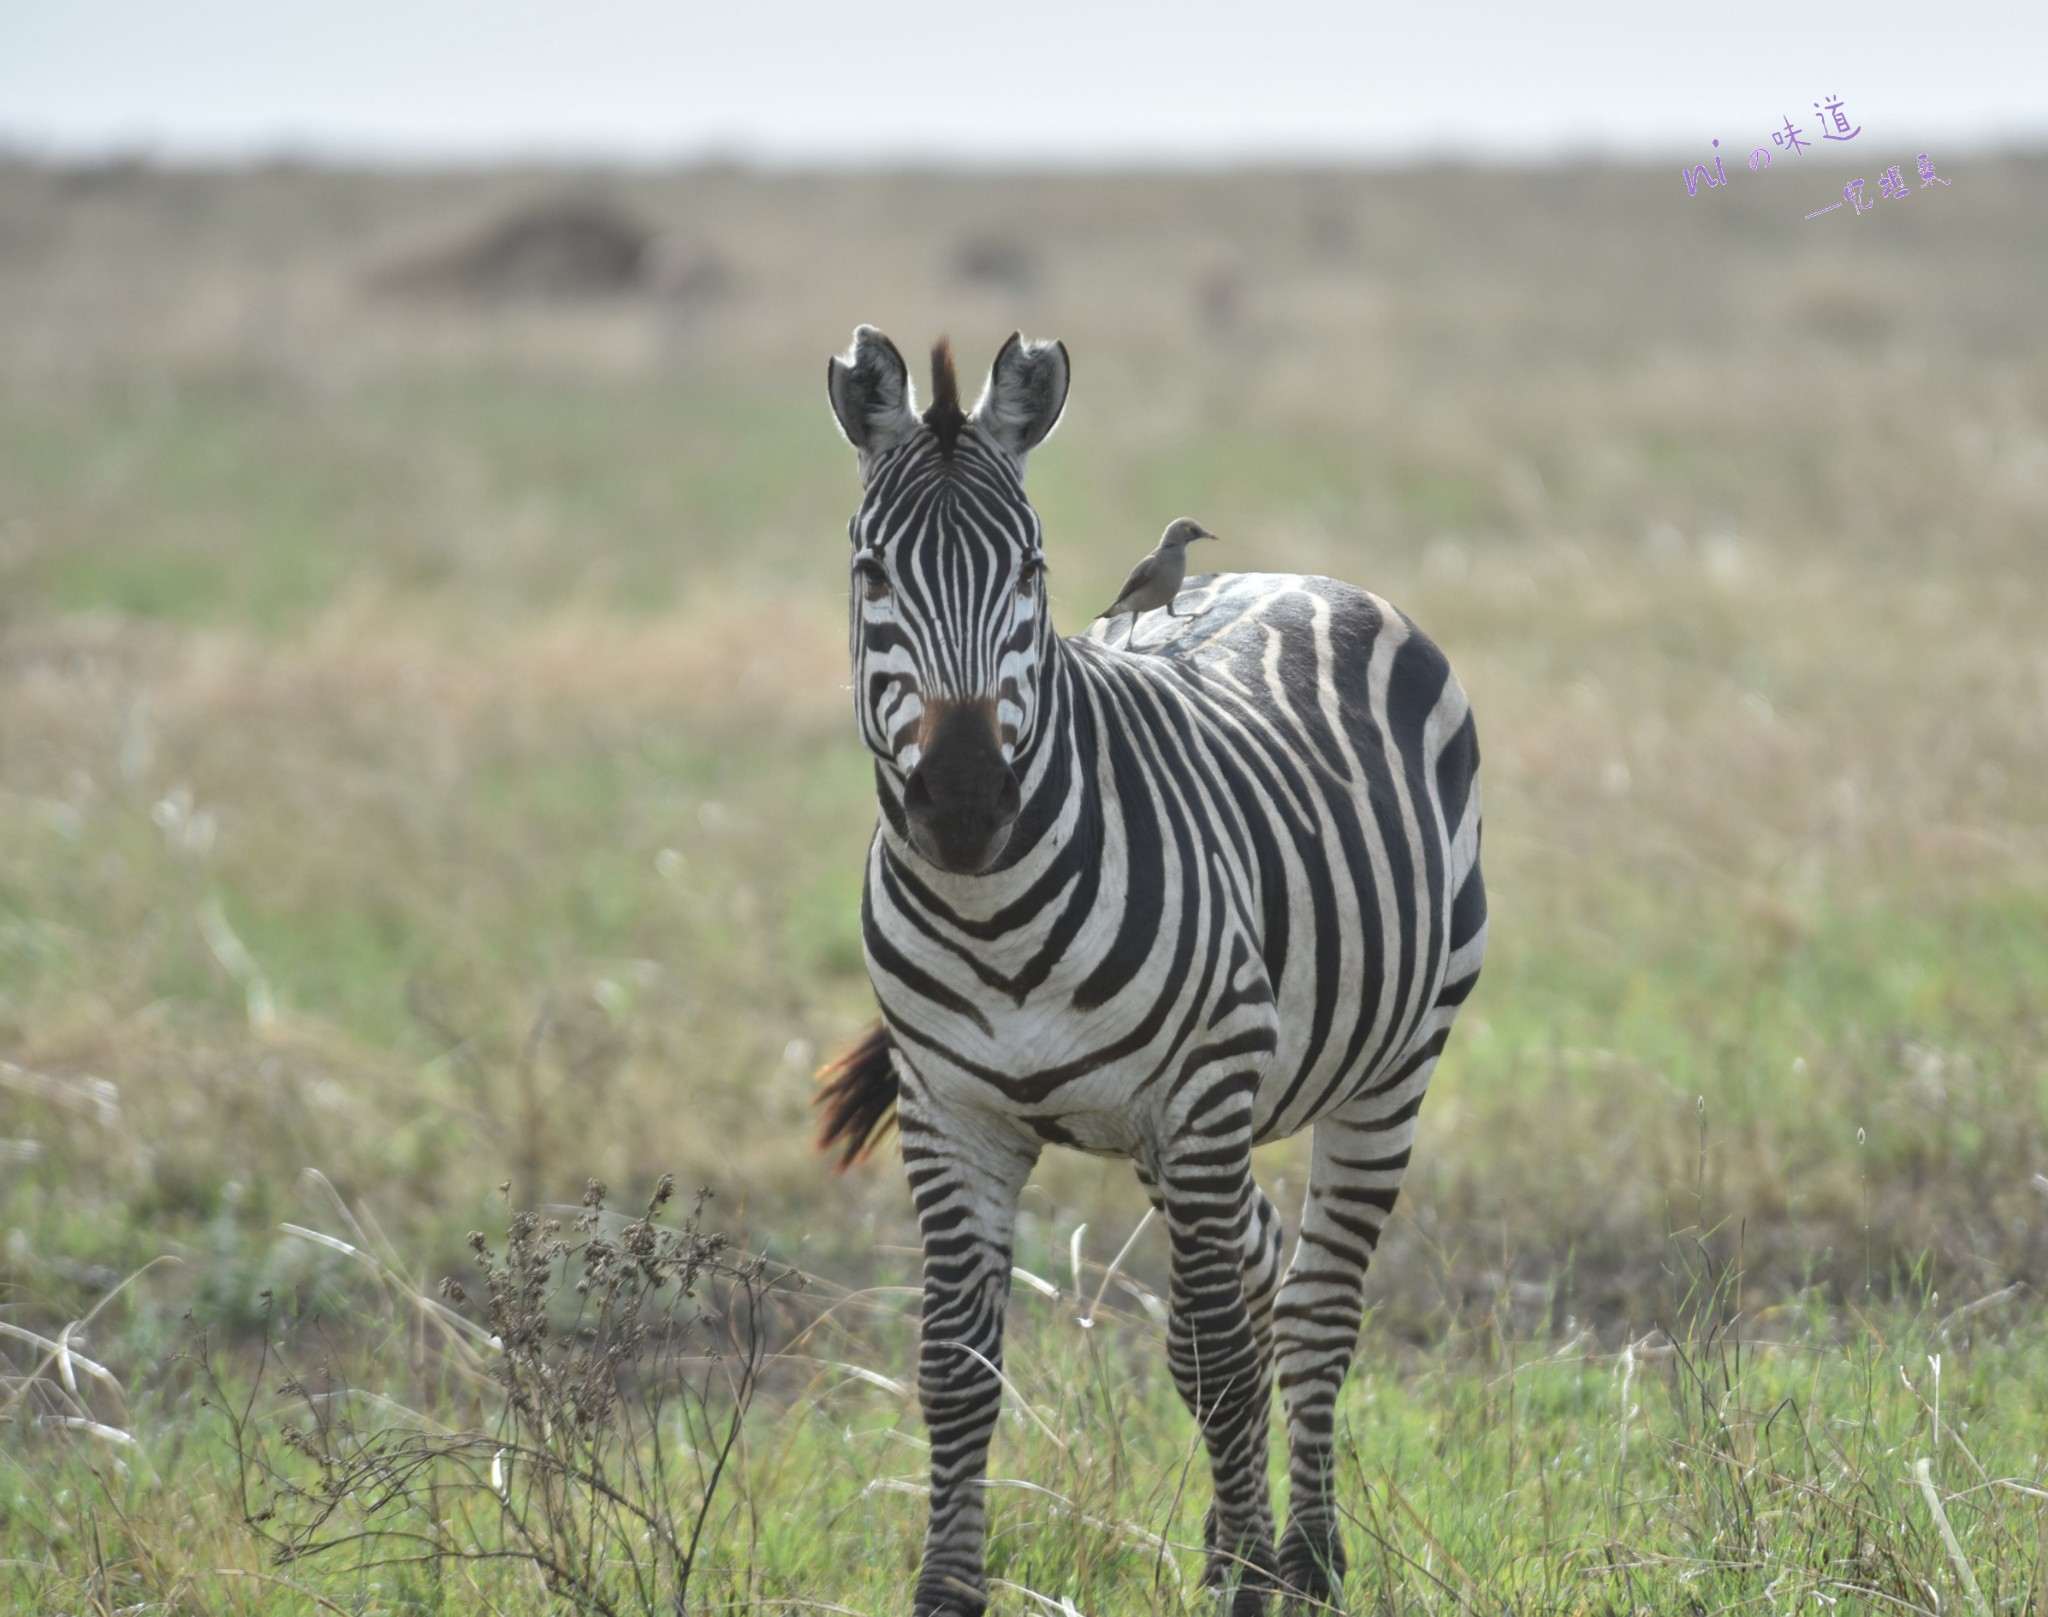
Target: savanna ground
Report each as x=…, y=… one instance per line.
x=425, y=768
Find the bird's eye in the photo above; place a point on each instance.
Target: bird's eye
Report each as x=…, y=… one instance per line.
x=873, y=576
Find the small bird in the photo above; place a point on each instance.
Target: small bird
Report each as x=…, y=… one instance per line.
x=1155, y=581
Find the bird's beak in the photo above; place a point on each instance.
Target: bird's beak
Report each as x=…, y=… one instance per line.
x=1206, y=534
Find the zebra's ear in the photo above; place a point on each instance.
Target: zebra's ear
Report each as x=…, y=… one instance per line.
x=870, y=389
x=1027, y=390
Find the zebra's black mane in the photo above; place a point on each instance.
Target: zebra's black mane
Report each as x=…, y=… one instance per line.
x=944, y=415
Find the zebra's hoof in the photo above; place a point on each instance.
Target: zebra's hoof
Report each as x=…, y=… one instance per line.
x=952, y=1597
x=1246, y=1580
x=1249, y=1602
x=1311, y=1568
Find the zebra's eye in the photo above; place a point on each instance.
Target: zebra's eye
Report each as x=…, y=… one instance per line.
x=1028, y=576
x=873, y=576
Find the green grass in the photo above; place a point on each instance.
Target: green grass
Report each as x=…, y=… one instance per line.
x=1766, y=1457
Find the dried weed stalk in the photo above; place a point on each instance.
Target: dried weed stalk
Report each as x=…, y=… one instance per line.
x=611, y=1402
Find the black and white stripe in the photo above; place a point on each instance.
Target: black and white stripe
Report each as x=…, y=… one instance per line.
x=1163, y=891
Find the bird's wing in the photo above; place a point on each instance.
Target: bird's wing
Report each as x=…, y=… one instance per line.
x=1141, y=575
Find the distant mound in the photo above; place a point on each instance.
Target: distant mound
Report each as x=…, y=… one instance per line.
x=560, y=247
x=1001, y=263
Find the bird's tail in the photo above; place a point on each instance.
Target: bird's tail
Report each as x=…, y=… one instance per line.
x=856, y=1098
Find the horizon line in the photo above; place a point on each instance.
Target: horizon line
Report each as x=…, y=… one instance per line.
x=17, y=149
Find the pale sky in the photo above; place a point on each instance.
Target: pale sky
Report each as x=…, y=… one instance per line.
x=1058, y=81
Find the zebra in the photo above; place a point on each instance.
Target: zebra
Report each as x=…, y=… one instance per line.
x=1165, y=891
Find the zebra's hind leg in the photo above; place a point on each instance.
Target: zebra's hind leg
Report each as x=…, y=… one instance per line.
x=965, y=1174
x=1218, y=1222
x=1360, y=1154
x=1260, y=1257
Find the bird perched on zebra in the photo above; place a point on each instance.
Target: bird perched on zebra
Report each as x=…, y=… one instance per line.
x=1156, y=580
x=1163, y=904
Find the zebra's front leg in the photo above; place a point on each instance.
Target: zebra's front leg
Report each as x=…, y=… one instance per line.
x=1217, y=1219
x=966, y=1173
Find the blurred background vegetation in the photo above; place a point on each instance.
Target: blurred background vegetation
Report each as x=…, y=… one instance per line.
x=425, y=756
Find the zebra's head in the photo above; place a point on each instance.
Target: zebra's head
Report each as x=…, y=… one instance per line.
x=950, y=624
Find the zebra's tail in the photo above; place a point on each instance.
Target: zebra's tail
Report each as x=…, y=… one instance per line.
x=856, y=1097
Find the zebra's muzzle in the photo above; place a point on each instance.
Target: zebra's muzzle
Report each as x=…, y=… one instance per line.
x=962, y=798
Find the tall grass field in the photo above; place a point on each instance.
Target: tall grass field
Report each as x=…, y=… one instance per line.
x=430, y=814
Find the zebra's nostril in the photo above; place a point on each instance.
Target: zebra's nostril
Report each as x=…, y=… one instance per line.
x=1009, y=797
